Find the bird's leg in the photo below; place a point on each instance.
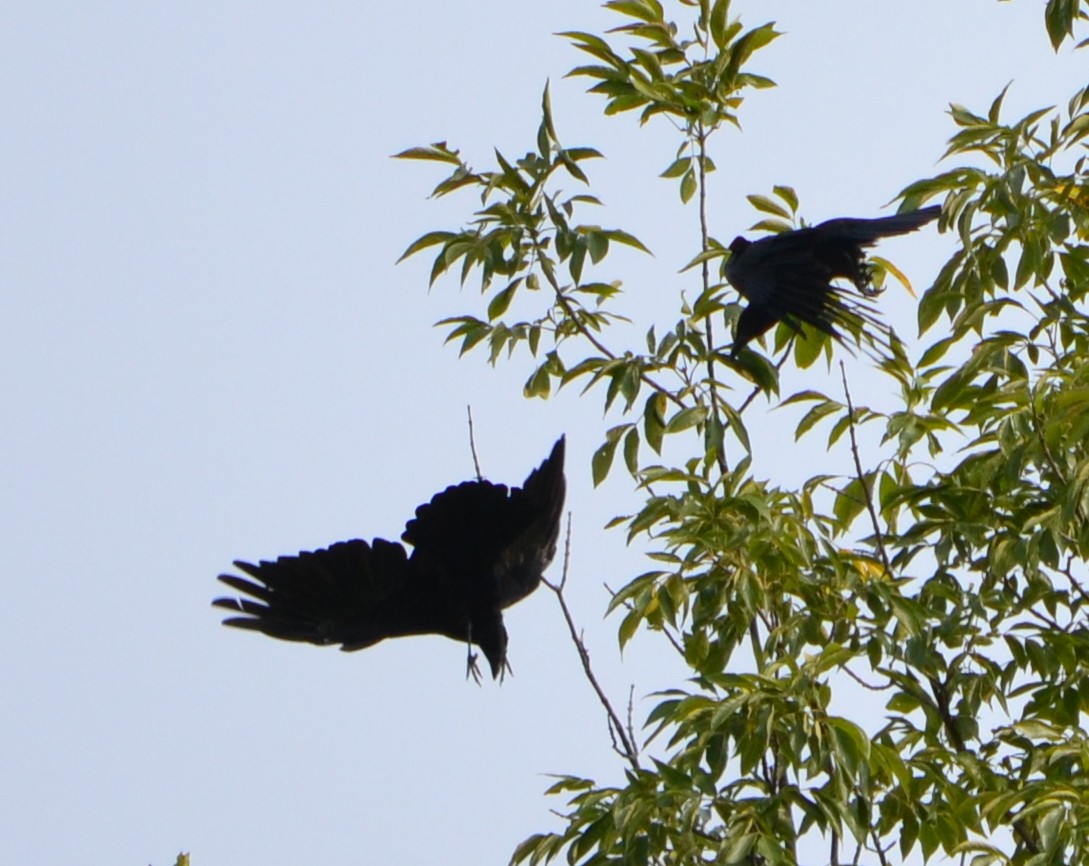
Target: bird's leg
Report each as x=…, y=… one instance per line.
x=503, y=670
x=471, y=668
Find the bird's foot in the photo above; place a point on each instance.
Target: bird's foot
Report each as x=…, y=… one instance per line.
x=471, y=667
x=866, y=285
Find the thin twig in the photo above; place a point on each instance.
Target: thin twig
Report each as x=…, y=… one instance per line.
x=879, y=539
x=627, y=749
x=863, y=683
x=1075, y=584
x=701, y=140
x=877, y=847
x=631, y=709
x=1050, y=622
x=472, y=444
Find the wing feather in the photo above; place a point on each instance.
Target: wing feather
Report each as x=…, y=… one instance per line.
x=351, y=593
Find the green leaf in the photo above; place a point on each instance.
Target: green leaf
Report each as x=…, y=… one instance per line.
x=602, y=460
x=766, y=205
x=677, y=168
x=717, y=24
x=622, y=237
x=1059, y=17
x=689, y=186
x=685, y=419
x=578, y=258
x=498, y=305
x=849, y=502
x=813, y=416
x=631, y=450
x=653, y=420
x=787, y=194
x=808, y=347
x=428, y=240
x=539, y=384
x=597, y=244
x=437, y=152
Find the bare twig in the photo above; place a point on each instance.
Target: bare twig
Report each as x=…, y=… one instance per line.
x=878, y=849
x=626, y=748
x=1075, y=584
x=631, y=708
x=879, y=538
x=472, y=444
x=1050, y=622
x=863, y=683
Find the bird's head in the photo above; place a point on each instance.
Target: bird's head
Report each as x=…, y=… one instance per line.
x=490, y=635
x=738, y=245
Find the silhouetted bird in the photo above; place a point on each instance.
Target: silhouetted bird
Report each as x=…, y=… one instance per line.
x=477, y=548
x=788, y=277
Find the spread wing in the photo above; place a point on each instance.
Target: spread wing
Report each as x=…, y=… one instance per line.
x=501, y=539
x=866, y=232
x=533, y=547
x=477, y=549
x=352, y=593
x=788, y=277
x=838, y=246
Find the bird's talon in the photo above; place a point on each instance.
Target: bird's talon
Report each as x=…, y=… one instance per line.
x=472, y=669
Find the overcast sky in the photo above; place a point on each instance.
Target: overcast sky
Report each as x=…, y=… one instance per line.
x=208, y=353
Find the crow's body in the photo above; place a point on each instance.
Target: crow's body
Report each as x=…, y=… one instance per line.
x=788, y=277
x=477, y=548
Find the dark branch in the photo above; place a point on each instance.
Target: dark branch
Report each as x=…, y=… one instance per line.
x=627, y=748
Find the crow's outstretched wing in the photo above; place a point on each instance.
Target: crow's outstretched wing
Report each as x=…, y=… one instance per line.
x=788, y=277
x=533, y=547
x=838, y=245
x=867, y=232
x=353, y=593
x=501, y=539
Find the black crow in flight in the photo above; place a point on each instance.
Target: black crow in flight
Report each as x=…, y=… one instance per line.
x=788, y=277
x=477, y=548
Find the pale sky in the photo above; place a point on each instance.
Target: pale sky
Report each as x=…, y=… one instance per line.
x=209, y=354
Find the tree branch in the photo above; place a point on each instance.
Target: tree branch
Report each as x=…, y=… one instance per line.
x=879, y=539
x=701, y=141
x=627, y=748
x=572, y=314
x=472, y=444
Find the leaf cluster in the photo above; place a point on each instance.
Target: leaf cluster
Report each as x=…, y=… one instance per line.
x=887, y=662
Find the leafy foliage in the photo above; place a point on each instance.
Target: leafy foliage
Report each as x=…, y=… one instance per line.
x=1060, y=16
x=946, y=580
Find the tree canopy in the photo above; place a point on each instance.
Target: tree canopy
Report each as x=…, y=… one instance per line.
x=943, y=580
